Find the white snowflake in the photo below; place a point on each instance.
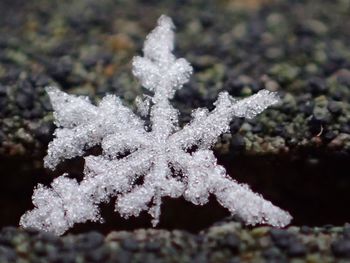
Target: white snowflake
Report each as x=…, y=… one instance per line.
x=167, y=160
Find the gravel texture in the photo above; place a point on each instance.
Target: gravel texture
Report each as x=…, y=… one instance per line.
x=300, y=48
x=222, y=243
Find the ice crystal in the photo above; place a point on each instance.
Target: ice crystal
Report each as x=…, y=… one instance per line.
x=140, y=166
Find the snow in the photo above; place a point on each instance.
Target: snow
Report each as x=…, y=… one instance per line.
x=131, y=152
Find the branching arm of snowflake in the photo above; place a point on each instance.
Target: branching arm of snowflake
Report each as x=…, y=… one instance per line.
x=152, y=155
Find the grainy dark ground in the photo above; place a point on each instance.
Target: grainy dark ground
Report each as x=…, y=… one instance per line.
x=297, y=47
x=224, y=242
x=295, y=154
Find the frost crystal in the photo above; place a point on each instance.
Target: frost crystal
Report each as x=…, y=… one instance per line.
x=167, y=160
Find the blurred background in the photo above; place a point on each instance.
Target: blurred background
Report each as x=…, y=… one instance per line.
x=295, y=154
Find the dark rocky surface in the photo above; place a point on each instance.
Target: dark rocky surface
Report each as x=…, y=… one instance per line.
x=300, y=149
x=221, y=243
x=300, y=48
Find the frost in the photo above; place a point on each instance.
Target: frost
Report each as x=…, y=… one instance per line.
x=139, y=166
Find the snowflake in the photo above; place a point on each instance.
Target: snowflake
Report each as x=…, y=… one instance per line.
x=140, y=165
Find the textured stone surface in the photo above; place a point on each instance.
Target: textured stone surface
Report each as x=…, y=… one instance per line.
x=300, y=48
x=223, y=242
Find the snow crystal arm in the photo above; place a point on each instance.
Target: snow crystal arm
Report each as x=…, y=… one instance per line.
x=146, y=197
x=160, y=72
x=157, y=183
x=67, y=202
x=135, y=201
x=117, y=144
x=192, y=168
x=249, y=206
x=83, y=125
x=206, y=177
x=255, y=104
x=69, y=110
x=207, y=126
